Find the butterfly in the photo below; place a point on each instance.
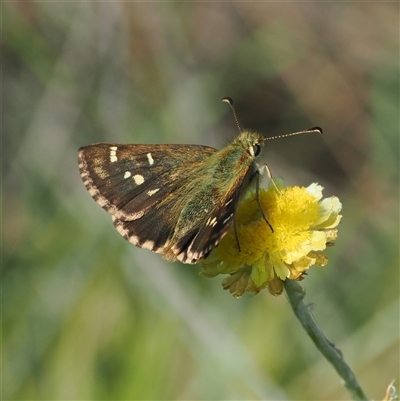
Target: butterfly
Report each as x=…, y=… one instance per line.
x=176, y=200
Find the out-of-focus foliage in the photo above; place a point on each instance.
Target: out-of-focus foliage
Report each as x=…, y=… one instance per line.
x=88, y=316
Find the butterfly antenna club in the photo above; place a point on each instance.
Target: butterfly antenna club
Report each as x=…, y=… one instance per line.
x=312, y=130
x=230, y=102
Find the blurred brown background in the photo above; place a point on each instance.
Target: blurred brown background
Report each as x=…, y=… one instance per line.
x=88, y=316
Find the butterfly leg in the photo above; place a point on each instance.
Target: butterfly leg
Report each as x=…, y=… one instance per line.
x=236, y=234
x=257, y=174
x=266, y=168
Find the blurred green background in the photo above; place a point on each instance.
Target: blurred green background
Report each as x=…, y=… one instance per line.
x=87, y=315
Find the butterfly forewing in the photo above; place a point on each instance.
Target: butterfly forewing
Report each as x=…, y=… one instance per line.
x=128, y=180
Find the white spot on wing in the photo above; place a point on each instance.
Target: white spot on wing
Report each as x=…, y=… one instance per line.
x=150, y=159
x=211, y=222
x=139, y=179
x=153, y=191
x=133, y=239
x=148, y=245
x=127, y=174
x=228, y=218
x=113, y=154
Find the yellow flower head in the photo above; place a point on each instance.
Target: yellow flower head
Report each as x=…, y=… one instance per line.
x=256, y=257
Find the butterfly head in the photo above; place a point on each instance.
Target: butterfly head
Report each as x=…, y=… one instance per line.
x=251, y=142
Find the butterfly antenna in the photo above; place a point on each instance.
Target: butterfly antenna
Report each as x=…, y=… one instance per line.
x=306, y=131
x=230, y=102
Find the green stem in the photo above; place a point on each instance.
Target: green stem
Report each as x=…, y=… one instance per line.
x=296, y=294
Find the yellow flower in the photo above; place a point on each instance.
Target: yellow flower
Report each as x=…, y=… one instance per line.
x=256, y=257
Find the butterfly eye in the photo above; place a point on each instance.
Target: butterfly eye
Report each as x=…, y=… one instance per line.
x=256, y=149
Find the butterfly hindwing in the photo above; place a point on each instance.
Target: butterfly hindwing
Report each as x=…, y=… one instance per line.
x=173, y=242
x=217, y=225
